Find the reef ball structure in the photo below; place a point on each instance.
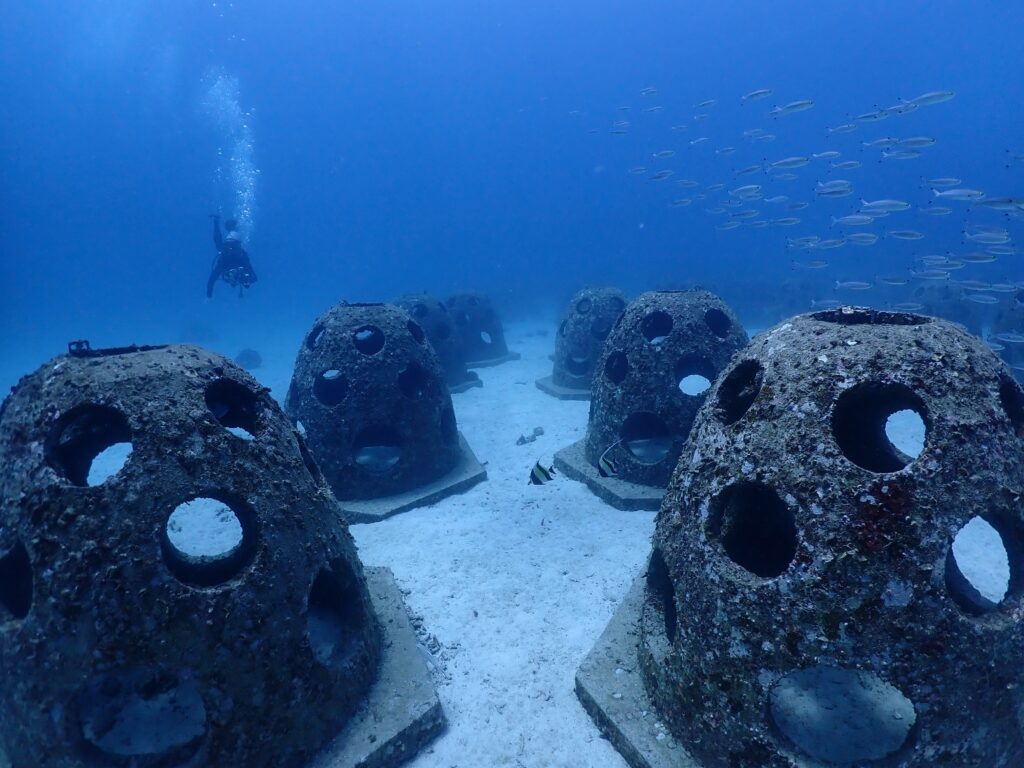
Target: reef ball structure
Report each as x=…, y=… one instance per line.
x=479, y=330
x=369, y=392
x=808, y=600
x=667, y=345
x=586, y=323
x=136, y=628
x=434, y=318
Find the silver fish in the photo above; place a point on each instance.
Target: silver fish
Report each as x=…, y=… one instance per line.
x=916, y=142
x=829, y=155
x=905, y=234
x=853, y=220
x=846, y=165
x=958, y=194
x=944, y=181
x=786, y=221
x=845, y=128
x=813, y=264
x=981, y=298
x=901, y=154
x=725, y=151
x=760, y=93
x=789, y=162
x=664, y=154
x=794, y=106
x=932, y=97
x=936, y=210
x=852, y=285
x=885, y=205
x=862, y=238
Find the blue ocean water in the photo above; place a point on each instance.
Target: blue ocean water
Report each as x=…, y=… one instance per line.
x=374, y=149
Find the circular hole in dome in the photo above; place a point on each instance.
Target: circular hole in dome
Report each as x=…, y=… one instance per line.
x=600, y=328
x=77, y=447
x=419, y=311
x=583, y=306
x=656, y=326
x=314, y=337
x=577, y=364
x=859, y=422
x=755, y=527
x=416, y=331
x=617, y=303
x=738, y=390
x=866, y=316
x=336, y=616
x=646, y=436
x=979, y=566
x=15, y=582
x=330, y=387
x=369, y=339
x=234, y=406
x=377, y=448
x=207, y=541
x=485, y=337
x=660, y=588
x=718, y=322
x=694, y=385
x=461, y=318
x=694, y=374
x=449, y=428
x=1012, y=399
x=442, y=331
x=905, y=430
x=413, y=381
x=141, y=717
x=616, y=367
x=562, y=326
x=841, y=716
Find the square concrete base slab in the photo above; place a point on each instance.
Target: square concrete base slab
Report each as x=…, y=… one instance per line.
x=467, y=473
x=547, y=385
x=464, y=386
x=609, y=685
x=621, y=494
x=401, y=713
x=493, y=361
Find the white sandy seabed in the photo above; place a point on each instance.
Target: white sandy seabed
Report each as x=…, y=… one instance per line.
x=511, y=584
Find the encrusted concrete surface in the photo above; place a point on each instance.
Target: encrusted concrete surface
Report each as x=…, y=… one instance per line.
x=435, y=319
x=401, y=712
x=479, y=329
x=611, y=689
x=639, y=414
x=585, y=324
x=464, y=475
x=369, y=391
x=804, y=563
x=621, y=494
x=121, y=645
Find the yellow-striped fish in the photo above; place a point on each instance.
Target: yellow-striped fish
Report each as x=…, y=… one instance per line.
x=540, y=475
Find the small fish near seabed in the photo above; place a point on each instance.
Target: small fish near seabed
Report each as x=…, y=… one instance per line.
x=540, y=475
x=605, y=466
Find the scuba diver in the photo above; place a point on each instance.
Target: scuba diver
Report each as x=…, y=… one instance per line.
x=232, y=264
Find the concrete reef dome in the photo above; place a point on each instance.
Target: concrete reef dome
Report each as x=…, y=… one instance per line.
x=586, y=322
x=663, y=352
x=479, y=329
x=176, y=587
x=811, y=599
x=369, y=392
x=433, y=316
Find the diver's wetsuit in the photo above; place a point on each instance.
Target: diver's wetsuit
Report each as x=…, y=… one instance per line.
x=231, y=258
